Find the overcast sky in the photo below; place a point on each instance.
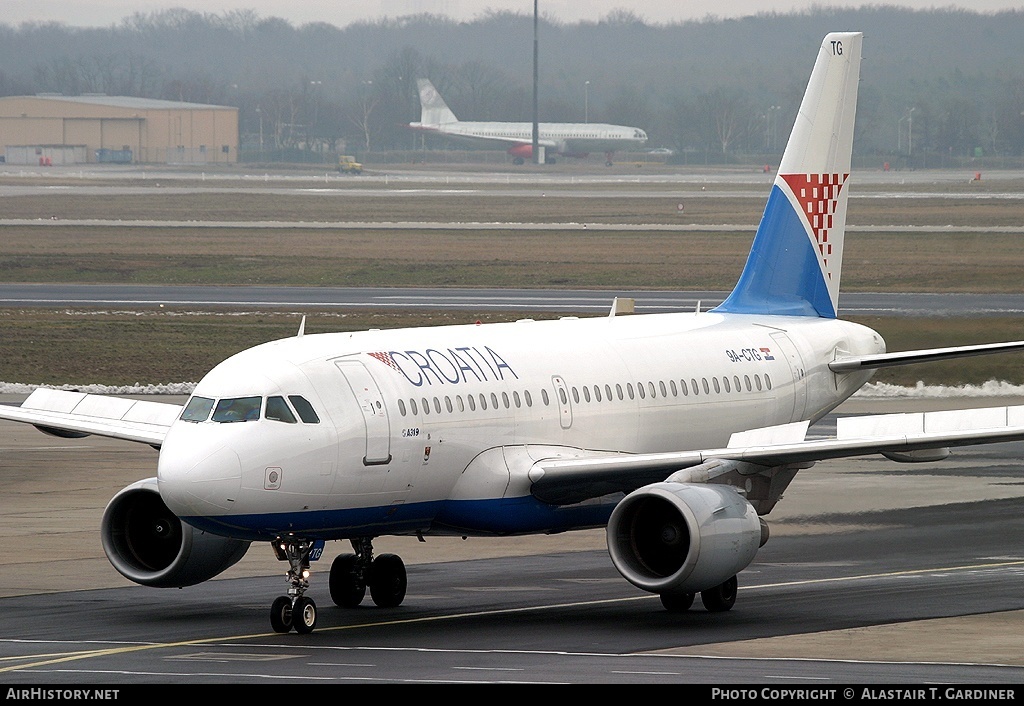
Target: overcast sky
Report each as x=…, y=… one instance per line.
x=87, y=13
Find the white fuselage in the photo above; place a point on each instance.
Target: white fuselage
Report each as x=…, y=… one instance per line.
x=564, y=138
x=435, y=429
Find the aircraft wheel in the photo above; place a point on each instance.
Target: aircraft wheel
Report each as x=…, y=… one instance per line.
x=304, y=615
x=677, y=602
x=347, y=588
x=281, y=614
x=720, y=598
x=388, y=581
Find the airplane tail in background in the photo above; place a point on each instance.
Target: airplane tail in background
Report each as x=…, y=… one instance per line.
x=796, y=258
x=433, y=109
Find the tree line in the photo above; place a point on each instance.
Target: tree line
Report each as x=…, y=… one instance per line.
x=936, y=85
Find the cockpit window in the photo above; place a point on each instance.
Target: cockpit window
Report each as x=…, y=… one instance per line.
x=278, y=411
x=305, y=409
x=238, y=409
x=197, y=409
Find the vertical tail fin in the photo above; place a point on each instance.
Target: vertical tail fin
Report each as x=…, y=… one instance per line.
x=433, y=109
x=796, y=258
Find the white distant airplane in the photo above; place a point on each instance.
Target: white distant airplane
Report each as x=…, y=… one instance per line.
x=677, y=432
x=567, y=139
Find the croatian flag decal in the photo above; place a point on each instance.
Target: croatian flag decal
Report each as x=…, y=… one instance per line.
x=767, y=353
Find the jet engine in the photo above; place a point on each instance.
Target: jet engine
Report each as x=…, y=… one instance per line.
x=149, y=545
x=678, y=538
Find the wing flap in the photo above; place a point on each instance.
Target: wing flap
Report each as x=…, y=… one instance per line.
x=773, y=447
x=143, y=421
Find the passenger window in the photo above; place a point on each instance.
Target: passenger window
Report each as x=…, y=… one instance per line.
x=693, y=383
x=529, y=398
x=640, y=390
x=304, y=408
x=746, y=379
x=504, y=399
x=483, y=401
x=618, y=390
x=704, y=383
x=757, y=381
x=608, y=392
x=544, y=397
x=717, y=388
x=472, y=403
x=437, y=405
x=494, y=400
x=412, y=405
x=586, y=393
x=425, y=404
x=238, y=409
x=515, y=398
x=197, y=409
x=277, y=411
x=401, y=407
x=597, y=392
x=725, y=382
x=767, y=381
x=448, y=403
x=675, y=390
x=736, y=380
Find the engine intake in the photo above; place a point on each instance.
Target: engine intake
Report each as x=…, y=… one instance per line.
x=149, y=545
x=682, y=538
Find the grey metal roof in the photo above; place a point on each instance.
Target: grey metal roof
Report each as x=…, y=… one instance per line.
x=132, y=102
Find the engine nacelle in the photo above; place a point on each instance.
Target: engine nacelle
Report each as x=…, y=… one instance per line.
x=149, y=545
x=682, y=537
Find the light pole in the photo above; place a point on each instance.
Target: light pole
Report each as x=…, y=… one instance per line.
x=772, y=126
x=259, y=112
x=910, y=132
x=586, y=101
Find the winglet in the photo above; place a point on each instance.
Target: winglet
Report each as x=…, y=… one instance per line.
x=796, y=258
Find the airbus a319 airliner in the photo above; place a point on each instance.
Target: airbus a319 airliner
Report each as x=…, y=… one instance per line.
x=677, y=432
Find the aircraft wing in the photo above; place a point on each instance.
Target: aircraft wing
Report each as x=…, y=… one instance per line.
x=919, y=436
x=76, y=414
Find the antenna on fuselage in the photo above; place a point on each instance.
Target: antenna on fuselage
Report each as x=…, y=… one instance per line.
x=622, y=305
x=697, y=310
x=302, y=326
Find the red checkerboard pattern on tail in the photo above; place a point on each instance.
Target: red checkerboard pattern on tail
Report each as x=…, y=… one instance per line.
x=818, y=195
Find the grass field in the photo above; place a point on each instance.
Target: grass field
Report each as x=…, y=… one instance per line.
x=296, y=239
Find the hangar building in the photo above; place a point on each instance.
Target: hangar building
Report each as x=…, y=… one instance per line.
x=55, y=129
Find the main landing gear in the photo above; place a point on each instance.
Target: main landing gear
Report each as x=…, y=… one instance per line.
x=350, y=576
x=716, y=600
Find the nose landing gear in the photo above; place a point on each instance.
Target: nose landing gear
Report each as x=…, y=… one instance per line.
x=294, y=610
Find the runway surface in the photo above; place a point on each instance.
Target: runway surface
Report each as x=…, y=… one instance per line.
x=876, y=573
x=434, y=298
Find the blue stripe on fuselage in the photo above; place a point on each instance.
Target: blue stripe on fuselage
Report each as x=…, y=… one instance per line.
x=506, y=516
x=782, y=275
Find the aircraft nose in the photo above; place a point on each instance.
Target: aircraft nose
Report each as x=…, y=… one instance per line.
x=197, y=478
